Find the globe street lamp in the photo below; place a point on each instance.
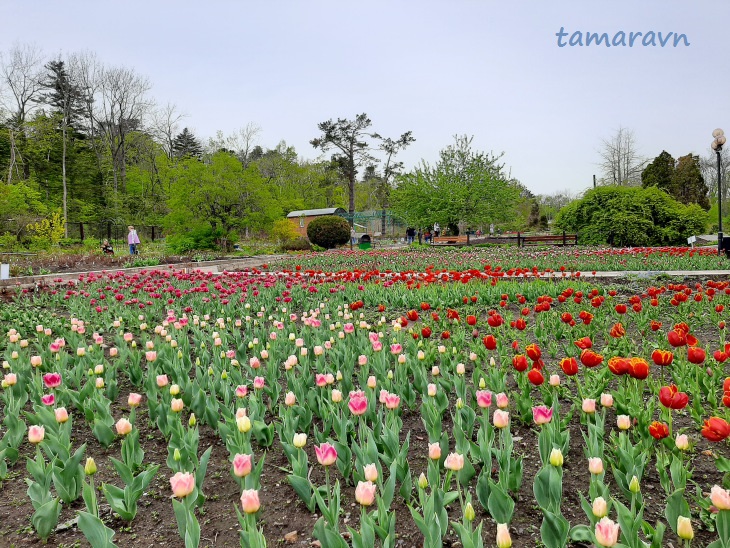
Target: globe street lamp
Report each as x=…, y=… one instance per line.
x=720, y=140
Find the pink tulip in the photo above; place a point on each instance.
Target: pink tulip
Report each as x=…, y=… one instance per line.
x=503, y=538
x=258, y=383
x=454, y=462
x=542, y=415
x=35, y=361
x=502, y=400
x=365, y=493
x=434, y=451
x=52, y=380
x=250, y=501
x=128, y=337
x=348, y=328
x=371, y=472
x=241, y=391
x=377, y=346
x=720, y=498
x=254, y=363
x=358, y=404
x=124, y=427
x=500, y=419
x=10, y=379
x=134, y=399
x=176, y=405
x=392, y=401
x=182, y=483
x=589, y=406
x=113, y=352
x=326, y=454
x=484, y=398
x=595, y=466
x=607, y=400
x=362, y=360
x=396, y=348
x=431, y=388
x=290, y=399
x=320, y=379
x=623, y=422
x=54, y=347
x=242, y=465
x=61, y=415
x=554, y=380
x=36, y=434
x=48, y=399
x=162, y=381
x=150, y=355
x=606, y=532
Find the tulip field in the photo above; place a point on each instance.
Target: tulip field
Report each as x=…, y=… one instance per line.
x=371, y=399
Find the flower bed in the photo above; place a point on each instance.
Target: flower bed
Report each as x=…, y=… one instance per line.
x=363, y=408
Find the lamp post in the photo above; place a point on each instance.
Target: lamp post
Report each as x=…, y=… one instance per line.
x=720, y=140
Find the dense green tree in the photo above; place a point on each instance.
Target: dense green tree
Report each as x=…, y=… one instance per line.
x=631, y=216
x=219, y=193
x=185, y=144
x=659, y=172
x=465, y=185
x=688, y=185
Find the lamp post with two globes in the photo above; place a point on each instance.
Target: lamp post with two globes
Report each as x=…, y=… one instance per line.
x=720, y=140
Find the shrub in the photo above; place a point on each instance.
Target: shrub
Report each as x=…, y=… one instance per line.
x=300, y=244
x=9, y=243
x=329, y=231
x=195, y=240
x=631, y=216
x=284, y=231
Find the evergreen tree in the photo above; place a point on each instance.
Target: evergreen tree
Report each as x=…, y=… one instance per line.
x=67, y=99
x=688, y=185
x=186, y=145
x=659, y=173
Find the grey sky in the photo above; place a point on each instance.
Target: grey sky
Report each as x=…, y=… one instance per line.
x=438, y=68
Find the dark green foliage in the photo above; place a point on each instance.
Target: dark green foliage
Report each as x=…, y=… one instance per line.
x=659, y=173
x=300, y=244
x=681, y=178
x=195, y=240
x=186, y=145
x=631, y=216
x=329, y=231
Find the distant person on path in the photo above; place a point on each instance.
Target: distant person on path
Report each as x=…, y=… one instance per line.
x=436, y=230
x=107, y=248
x=353, y=237
x=427, y=236
x=132, y=240
x=491, y=230
x=420, y=235
x=410, y=234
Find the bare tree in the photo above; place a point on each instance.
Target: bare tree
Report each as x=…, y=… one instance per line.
x=165, y=125
x=708, y=166
x=241, y=142
x=20, y=74
x=88, y=70
x=620, y=160
x=122, y=104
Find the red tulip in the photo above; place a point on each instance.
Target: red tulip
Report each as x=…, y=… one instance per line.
x=412, y=315
x=662, y=357
x=490, y=342
x=533, y=352
x=471, y=320
x=621, y=308
x=520, y=362
x=672, y=398
x=638, y=368
x=715, y=429
x=520, y=324
x=677, y=338
x=425, y=332
x=425, y=306
x=535, y=377
x=569, y=366
x=658, y=430
x=618, y=330
x=696, y=355
x=655, y=325
x=590, y=359
x=584, y=343
x=618, y=366
x=566, y=317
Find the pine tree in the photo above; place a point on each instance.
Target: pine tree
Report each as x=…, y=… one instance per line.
x=688, y=185
x=186, y=145
x=67, y=99
x=659, y=173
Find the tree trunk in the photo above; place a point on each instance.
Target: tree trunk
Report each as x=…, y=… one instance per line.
x=65, y=188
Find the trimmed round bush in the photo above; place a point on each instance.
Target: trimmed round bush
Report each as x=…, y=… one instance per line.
x=329, y=231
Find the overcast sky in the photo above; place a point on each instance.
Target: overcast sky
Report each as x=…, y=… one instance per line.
x=478, y=67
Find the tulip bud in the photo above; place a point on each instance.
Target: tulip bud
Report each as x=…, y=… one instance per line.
x=503, y=538
x=422, y=481
x=244, y=424
x=174, y=390
x=482, y=383
x=177, y=457
x=90, y=467
x=682, y=442
x=600, y=508
x=192, y=421
x=469, y=513
x=684, y=528
x=634, y=485
x=459, y=403
x=556, y=458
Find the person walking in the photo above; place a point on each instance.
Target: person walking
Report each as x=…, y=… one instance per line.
x=410, y=234
x=436, y=230
x=132, y=240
